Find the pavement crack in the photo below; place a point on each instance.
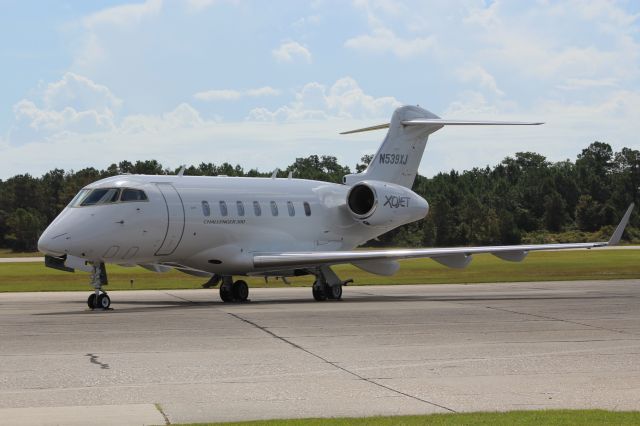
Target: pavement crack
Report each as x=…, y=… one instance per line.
x=93, y=359
x=166, y=418
x=545, y=317
x=337, y=366
x=179, y=298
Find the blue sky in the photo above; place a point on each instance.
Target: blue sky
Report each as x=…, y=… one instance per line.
x=88, y=83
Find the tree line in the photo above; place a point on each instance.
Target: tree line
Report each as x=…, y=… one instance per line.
x=524, y=199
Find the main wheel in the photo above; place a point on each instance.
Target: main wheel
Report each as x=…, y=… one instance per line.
x=226, y=293
x=335, y=292
x=240, y=291
x=318, y=293
x=91, y=301
x=104, y=301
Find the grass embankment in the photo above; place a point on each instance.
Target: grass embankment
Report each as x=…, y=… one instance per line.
x=540, y=266
x=517, y=418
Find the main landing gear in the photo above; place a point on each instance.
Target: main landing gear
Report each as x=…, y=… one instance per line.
x=99, y=299
x=327, y=285
x=233, y=291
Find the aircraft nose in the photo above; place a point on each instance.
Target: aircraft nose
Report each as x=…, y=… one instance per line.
x=52, y=244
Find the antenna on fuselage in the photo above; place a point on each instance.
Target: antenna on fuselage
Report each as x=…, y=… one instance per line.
x=181, y=171
x=290, y=175
x=275, y=173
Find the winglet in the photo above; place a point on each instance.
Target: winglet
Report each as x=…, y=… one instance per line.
x=615, y=238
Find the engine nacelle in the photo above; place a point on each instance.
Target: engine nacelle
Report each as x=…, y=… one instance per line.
x=383, y=204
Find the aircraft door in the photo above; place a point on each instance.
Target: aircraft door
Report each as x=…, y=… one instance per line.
x=175, y=219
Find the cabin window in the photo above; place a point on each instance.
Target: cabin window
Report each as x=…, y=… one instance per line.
x=223, y=208
x=133, y=195
x=240, y=207
x=292, y=210
x=256, y=208
x=307, y=208
x=206, y=210
x=274, y=208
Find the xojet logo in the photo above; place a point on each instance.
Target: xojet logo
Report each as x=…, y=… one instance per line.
x=395, y=202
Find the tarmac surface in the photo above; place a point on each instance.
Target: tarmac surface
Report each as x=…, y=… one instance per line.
x=183, y=356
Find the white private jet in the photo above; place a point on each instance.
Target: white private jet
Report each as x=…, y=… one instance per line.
x=220, y=227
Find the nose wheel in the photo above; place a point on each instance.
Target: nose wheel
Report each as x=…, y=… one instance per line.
x=99, y=298
x=101, y=301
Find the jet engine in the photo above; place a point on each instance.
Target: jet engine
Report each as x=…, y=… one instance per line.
x=383, y=204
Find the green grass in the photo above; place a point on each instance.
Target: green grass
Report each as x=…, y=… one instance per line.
x=540, y=266
x=9, y=253
x=517, y=418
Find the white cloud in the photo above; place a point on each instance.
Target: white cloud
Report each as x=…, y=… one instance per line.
x=383, y=40
x=218, y=95
x=184, y=117
x=290, y=51
x=69, y=138
x=47, y=121
x=263, y=91
x=233, y=95
x=198, y=5
x=72, y=104
x=79, y=92
x=123, y=15
x=587, y=83
x=477, y=74
x=315, y=101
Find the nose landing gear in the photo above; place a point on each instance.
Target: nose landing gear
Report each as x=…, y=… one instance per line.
x=99, y=299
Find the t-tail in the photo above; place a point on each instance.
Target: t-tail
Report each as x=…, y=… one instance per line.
x=399, y=156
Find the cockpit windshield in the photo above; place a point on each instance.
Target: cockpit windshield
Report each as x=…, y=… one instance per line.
x=99, y=196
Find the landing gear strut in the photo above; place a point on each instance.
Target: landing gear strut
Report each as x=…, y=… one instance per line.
x=327, y=285
x=99, y=299
x=233, y=291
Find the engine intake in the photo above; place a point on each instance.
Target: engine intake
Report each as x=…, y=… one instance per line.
x=362, y=201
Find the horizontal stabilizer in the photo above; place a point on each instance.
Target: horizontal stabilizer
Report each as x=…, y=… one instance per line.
x=439, y=122
x=367, y=129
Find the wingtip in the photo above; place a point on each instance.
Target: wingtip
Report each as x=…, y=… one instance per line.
x=617, y=234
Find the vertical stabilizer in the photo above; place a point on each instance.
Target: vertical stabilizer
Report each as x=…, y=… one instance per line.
x=399, y=156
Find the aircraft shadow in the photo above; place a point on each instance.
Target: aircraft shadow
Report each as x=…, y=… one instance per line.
x=138, y=306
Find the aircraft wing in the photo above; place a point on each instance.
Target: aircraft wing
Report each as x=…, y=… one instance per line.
x=455, y=257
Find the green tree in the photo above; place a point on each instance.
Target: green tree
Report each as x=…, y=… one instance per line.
x=24, y=227
x=554, y=212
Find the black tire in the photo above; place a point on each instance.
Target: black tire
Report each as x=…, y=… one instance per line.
x=226, y=293
x=91, y=301
x=334, y=292
x=104, y=301
x=318, y=293
x=240, y=291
